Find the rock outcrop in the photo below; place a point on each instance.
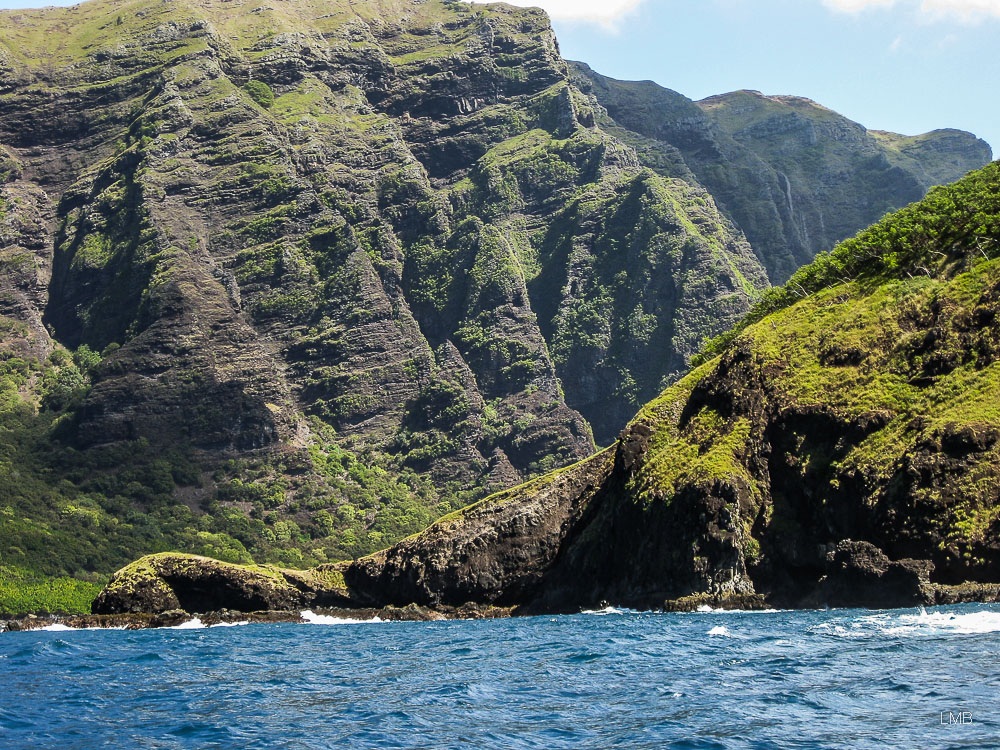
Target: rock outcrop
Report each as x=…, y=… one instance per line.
x=169, y=582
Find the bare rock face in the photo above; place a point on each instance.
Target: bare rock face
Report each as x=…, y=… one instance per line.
x=498, y=552
x=860, y=575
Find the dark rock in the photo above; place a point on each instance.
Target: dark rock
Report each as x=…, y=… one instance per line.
x=859, y=574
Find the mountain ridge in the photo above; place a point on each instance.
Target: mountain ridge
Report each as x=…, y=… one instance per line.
x=770, y=143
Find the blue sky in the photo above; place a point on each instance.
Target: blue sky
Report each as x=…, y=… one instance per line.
x=904, y=65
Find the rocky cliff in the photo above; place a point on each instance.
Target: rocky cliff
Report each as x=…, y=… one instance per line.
x=841, y=448
x=290, y=281
x=325, y=269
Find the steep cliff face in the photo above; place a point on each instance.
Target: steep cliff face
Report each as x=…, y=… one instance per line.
x=843, y=449
x=795, y=176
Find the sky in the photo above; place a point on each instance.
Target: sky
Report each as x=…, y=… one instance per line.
x=908, y=66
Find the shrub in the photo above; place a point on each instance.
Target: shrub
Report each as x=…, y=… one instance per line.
x=260, y=92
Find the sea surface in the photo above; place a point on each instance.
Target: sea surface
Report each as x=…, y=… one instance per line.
x=847, y=679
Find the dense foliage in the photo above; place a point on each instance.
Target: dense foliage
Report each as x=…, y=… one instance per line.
x=954, y=225
x=69, y=517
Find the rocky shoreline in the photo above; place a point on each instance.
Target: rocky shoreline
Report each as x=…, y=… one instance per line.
x=933, y=595
x=179, y=617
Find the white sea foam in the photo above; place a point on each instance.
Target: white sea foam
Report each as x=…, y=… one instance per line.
x=195, y=624
x=721, y=630
x=923, y=624
x=970, y=623
x=605, y=611
x=230, y=624
x=59, y=627
x=706, y=609
x=314, y=619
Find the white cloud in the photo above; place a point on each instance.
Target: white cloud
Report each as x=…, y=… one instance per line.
x=853, y=6
x=604, y=12
x=965, y=9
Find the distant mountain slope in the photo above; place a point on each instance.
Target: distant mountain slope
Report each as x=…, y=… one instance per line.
x=795, y=176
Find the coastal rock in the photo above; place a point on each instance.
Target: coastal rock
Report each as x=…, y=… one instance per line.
x=859, y=574
x=167, y=583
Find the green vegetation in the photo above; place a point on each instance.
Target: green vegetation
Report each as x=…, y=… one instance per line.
x=68, y=517
x=958, y=223
x=23, y=591
x=884, y=358
x=260, y=92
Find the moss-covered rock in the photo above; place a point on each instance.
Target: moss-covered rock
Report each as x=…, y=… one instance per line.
x=166, y=582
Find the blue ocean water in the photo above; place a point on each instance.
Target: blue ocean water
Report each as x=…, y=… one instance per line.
x=836, y=679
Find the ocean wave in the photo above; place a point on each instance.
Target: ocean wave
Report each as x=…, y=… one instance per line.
x=59, y=627
x=706, y=609
x=197, y=624
x=314, y=619
x=721, y=630
x=970, y=623
x=194, y=624
x=607, y=611
x=922, y=624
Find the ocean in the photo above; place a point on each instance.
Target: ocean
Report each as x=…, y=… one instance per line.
x=852, y=679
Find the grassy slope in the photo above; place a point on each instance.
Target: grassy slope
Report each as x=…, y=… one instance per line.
x=897, y=324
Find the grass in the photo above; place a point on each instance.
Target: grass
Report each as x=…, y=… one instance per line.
x=953, y=228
